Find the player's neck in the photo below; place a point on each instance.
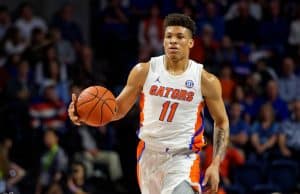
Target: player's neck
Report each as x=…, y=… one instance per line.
x=176, y=67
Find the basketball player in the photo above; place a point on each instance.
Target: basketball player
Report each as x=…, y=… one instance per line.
x=173, y=91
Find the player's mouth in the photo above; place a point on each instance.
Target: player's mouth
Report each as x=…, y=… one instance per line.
x=173, y=49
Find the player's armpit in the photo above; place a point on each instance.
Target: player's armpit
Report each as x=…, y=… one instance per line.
x=132, y=90
x=212, y=92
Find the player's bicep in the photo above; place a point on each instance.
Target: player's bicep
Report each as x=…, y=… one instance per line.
x=212, y=92
x=132, y=90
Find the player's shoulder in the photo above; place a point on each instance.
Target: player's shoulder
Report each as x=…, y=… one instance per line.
x=141, y=68
x=138, y=74
x=208, y=77
x=210, y=84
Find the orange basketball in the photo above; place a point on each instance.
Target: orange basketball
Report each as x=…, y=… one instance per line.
x=95, y=106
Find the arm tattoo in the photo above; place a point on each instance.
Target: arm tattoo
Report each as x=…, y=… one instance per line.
x=220, y=142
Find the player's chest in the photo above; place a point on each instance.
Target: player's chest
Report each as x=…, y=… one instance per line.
x=183, y=90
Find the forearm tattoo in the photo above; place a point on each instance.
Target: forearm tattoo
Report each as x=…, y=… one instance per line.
x=220, y=142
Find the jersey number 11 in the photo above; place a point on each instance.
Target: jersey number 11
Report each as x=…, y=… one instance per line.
x=164, y=111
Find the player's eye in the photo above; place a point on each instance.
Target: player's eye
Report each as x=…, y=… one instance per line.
x=180, y=36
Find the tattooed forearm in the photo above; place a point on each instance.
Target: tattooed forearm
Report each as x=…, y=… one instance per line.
x=220, y=142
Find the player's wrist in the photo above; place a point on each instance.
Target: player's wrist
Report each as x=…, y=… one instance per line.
x=216, y=161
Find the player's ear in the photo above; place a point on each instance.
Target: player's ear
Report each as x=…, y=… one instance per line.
x=191, y=43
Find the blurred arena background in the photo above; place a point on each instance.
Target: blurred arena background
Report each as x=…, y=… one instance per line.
x=50, y=49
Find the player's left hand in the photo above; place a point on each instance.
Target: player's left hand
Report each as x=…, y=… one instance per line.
x=212, y=178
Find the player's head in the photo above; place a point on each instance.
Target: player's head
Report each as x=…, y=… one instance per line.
x=178, y=35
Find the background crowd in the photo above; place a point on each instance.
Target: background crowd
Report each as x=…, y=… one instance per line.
x=253, y=46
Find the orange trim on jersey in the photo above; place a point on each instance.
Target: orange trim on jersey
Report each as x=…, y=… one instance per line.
x=139, y=152
x=198, y=139
x=195, y=173
x=142, y=102
x=140, y=149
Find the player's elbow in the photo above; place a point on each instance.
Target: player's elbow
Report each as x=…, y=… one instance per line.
x=119, y=113
x=118, y=116
x=222, y=123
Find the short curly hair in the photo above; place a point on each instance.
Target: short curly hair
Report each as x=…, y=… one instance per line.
x=176, y=19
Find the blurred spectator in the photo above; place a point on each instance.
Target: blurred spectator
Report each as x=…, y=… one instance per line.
x=288, y=81
x=264, y=132
x=239, y=26
x=139, y=8
x=5, y=21
x=20, y=88
x=171, y=6
x=189, y=11
x=45, y=70
x=212, y=18
x=52, y=69
x=19, y=91
x=15, y=172
x=227, y=83
x=35, y=51
x=205, y=48
x=274, y=29
x=243, y=66
x=69, y=29
x=255, y=9
x=210, y=46
x=55, y=188
x=93, y=155
x=115, y=31
x=126, y=4
x=251, y=102
x=27, y=21
x=85, y=73
x=115, y=24
x=226, y=53
x=115, y=14
x=4, y=170
x=239, y=129
x=272, y=96
x=65, y=51
x=264, y=72
x=151, y=33
x=49, y=111
x=77, y=180
x=14, y=43
x=289, y=136
x=294, y=36
x=4, y=74
x=238, y=95
x=53, y=162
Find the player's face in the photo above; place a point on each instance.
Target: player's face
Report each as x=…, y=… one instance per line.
x=177, y=42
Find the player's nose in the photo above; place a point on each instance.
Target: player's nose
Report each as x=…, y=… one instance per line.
x=173, y=40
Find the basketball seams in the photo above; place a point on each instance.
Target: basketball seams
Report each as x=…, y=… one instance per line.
x=92, y=103
x=92, y=94
x=78, y=105
x=96, y=96
x=104, y=102
x=101, y=111
x=96, y=105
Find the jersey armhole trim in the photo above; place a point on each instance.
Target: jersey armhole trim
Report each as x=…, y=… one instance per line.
x=148, y=73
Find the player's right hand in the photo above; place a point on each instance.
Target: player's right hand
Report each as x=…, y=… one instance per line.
x=71, y=111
